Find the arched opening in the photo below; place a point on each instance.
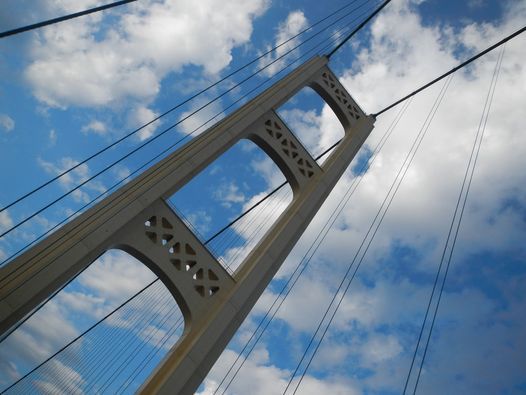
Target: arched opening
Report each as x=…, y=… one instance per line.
x=226, y=205
x=130, y=321
x=313, y=122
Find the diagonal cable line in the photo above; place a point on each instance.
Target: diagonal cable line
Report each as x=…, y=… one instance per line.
x=439, y=270
x=358, y=28
x=456, y=68
x=166, y=130
x=462, y=198
x=131, y=174
x=166, y=150
x=372, y=230
x=180, y=104
x=83, y=333
x=58, y=241
x=53, y=21
x=305, y=260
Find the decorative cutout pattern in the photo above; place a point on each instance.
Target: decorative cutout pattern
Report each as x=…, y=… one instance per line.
x=341, y=95
x=182, y=256
x=289, y=148
x=159, y=230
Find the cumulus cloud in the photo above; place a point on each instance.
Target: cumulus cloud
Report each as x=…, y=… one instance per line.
x=229, y=194
x=5, y=220
x=295, y=23
x=96, y=127
x=141, y=116
x=92, y=65
x=378, y=322
x=316, y=131
x=7, y=123
x=115, y=275
x=73, y=178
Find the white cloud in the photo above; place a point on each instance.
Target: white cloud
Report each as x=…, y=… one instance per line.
x=139, y=117
x=96, y=127
x=204, y=118
x=91, y=66
x=258, y=376
x=315, y=131
x=381, y=348
x=380, y=317
x=269, y=171
x=121, y=172
x=252, y=227
x=295, y=23
x=73, y=178
x=229, y=194
x=115, y=275
x=6, y=122
x=201, y=220
x=52, y=137
x=5, y=221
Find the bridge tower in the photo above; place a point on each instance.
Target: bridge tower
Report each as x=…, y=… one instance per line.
x=138, y=220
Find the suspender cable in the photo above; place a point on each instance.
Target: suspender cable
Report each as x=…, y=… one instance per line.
x=83, y=333
x=457, y=218
x=305, y=260
x=63, y=18
x=461, y=65
x=373, y=228
x=178, y=105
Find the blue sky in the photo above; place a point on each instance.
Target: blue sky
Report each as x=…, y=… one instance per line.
x=70, y=89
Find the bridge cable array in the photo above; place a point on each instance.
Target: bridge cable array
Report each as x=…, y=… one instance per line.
x=455, y=220
x=367, y=240
x=304, y=262
x=334, y=34
x=17, y=271
x=325, y=152
x=191, y=98
x=387, y=108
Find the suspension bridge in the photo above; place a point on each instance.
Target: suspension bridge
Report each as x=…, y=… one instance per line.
x=167, y=335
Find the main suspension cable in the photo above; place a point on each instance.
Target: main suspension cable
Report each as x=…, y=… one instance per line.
x=456, y=68
x=63, y=18
x=358, y=28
